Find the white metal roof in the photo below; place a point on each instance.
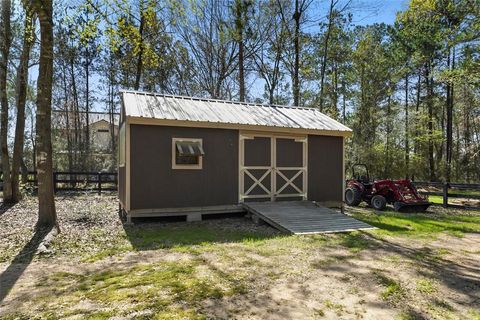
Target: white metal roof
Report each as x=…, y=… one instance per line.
x=198, y=110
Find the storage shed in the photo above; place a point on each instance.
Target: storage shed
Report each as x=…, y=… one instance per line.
x=193, y=156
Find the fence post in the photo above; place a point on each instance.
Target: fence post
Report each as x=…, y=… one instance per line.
x=99, y=178
x=445, y=194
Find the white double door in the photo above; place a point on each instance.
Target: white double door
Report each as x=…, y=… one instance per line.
x=272, y=167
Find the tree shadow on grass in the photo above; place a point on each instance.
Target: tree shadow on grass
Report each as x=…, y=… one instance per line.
x=10, y=276
x=386, y=226
x=428, y=263
x=152, y=234
x=421, y=223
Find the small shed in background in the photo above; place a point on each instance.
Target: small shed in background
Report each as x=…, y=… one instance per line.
x=191, y=156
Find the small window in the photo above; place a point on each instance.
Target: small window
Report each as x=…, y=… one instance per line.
x=187, y=153
x=103, y=130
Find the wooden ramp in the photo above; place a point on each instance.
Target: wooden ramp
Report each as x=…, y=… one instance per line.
x=303, y=217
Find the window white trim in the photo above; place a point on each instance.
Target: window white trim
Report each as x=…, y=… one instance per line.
x=197, y=166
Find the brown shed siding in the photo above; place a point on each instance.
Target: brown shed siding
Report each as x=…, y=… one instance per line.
x=257, y=152
x=154, y=184
x=325, y=168
x=122, y=184
x=289, y=153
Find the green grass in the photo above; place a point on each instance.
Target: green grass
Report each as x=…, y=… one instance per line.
x=181, y=238
x=393, y=291
x=332, y=305
x=436, y=199
x=474, y=314
x=166, y=289
x=338, y=308
x=197, y=238
x=426, y=286
x=355, y=241
x=419, y=224
x=186, y=235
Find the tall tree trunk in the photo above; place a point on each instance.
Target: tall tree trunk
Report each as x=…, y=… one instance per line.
x=296, y=68
x=457, y=154
x=87, y=110
x=449, y=147
x=467, y=106
x=429, y=82
x=407, y=141
x=240, y=25
x=75, y=112
x=386, y=172
x=5, y=42
x=47, y=215
x=417, y=108
x=138, y=74
x=344, y=101
x=68, y=130
x=34, y=143
x=111, y=88
x=24, y=171
x=325, y=53
x=335, y=89
x=22, y=81
x=68, y=115
x=476, y=136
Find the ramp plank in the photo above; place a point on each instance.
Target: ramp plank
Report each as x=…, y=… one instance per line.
x=304, y=217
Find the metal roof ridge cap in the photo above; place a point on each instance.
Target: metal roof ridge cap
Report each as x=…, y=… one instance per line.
x=215, y=100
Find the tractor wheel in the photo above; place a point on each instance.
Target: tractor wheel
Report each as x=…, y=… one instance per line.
x=397, y=206
x=353, y=197
x=379, y=202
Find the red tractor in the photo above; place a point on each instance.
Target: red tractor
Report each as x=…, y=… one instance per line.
x=402, y=194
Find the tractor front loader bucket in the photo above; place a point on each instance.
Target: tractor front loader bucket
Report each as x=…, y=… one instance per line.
x=416, y=206
x=408, y=199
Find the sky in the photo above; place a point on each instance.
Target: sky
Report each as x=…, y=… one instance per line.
x=365, y=12
x=382, y=11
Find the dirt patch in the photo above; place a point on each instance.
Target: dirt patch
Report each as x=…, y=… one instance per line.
x=234, y=269
x=465, y=202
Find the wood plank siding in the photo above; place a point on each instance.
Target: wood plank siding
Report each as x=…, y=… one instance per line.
x=325, y=169
x=154, y=184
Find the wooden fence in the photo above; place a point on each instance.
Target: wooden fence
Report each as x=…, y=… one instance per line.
x=456, y=195
x=77, y=181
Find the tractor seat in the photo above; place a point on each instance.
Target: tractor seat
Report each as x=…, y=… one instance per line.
x=364, y=180
x=368, y=185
